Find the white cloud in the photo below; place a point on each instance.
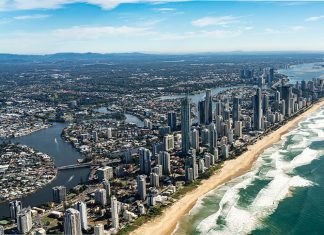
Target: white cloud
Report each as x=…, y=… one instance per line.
x=212, y=34
x=284, y=30
x=87, y=32
x=164, y=9
x=272, y=31
x=315, y=18
x=214, y=21
x=297, y=28
x=31, y=17
x=8, y=5
x=248, y=28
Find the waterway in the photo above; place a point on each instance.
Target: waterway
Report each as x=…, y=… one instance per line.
x=129, y=117
x=307, y=72
x=49, y=141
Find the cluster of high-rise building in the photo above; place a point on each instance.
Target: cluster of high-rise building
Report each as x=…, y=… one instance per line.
x=223, y=125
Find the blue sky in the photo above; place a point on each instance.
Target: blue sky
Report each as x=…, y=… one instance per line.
x=155, y=26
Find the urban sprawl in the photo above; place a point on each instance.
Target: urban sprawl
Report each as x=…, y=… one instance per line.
x=149, y=130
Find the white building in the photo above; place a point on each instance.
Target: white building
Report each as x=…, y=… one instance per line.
x=114, y=212
x=72, y=222
x=82, y=208
x=101, y=196
x=24, y=220
x=105, y=173
x=99, y=229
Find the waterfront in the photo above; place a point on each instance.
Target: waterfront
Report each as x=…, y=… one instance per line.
x=198, y=96
x=49, y=141
x=307, y=72
x=129, y=117
x=280, y=194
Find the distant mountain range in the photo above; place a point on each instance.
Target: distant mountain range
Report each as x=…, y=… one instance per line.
x=145, y=57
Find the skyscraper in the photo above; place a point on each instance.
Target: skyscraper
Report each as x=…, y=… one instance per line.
x=172, y=120
x=101, y=196
x=145, y=160
x=225, y=151
x=109, y=133
x=14, y=208
x=212, y=140
x=195, y=139
x=208, y=107
x=238, y=129
x=82, y=208
x=265, y=103
x=59, y=194
x=154, y=180
x=141, y=186
x=271, y=75
x=185, y=125
x=105, y=173
x=24, y=220
x=106, y=186
x=236, y=109
x=114, y=212
x=191, y=166
x=201, y=111
x=286, y=96
x=165, y=162
x=257, y=109
x=99, y=229
x=168, y=142
x=72, y=222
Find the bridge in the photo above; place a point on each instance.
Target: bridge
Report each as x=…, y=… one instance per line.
x=74, y=166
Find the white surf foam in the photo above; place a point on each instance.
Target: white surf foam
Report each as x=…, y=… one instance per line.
x=238, y=220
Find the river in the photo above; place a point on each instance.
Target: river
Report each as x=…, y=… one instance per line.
x=300, y=72
x=129, y=117
x=49, y=141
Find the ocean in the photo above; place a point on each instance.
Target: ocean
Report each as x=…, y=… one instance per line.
x=282, y=194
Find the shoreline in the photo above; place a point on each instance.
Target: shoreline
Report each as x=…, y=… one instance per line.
x=4, y=138
x=27, y=194
x=168, y=221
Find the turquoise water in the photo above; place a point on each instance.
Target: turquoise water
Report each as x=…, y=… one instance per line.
x=282, y=194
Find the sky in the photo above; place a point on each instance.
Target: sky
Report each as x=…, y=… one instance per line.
x=159, y=26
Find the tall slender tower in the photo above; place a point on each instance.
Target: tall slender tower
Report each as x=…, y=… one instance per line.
x=286, y=96
x=212, y=138
x=24, y=220
x=185, y=124
x=172, y=121
x=208, y=107
x=82, y=208
x=141, y=186
x=195, y=139
x=236, y=109
x=114, y=212
x=257, y=109
x=14, y=208
x=72, y=222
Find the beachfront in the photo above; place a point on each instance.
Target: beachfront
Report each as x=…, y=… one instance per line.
x=166, y=223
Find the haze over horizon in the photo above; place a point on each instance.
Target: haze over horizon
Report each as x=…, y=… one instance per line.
x=168, y=27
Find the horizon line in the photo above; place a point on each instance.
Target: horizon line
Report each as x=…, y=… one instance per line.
x=170, y=53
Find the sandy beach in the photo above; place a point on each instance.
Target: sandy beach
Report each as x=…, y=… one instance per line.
x=167, y=222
